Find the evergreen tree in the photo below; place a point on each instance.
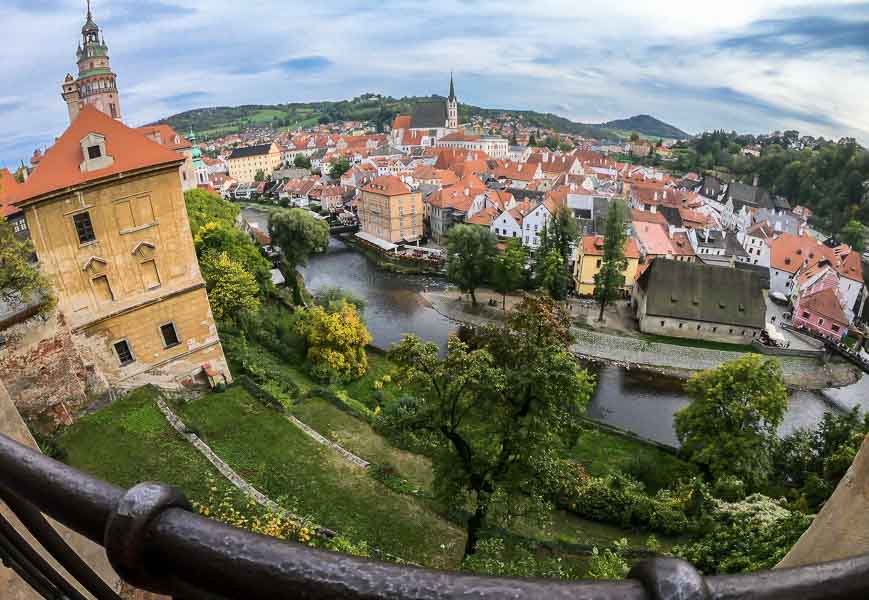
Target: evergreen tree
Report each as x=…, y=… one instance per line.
x=610, y=279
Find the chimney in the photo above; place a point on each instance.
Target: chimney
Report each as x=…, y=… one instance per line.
x=706, y=233
x=756, y=179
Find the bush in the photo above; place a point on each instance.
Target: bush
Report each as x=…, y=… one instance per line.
x=259, y=393
x=342, y=401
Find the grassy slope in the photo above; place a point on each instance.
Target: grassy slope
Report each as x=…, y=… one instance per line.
x=131, y=441
x=311, y=479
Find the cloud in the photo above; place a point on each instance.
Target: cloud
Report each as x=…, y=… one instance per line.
x=749, y=65
x=304, y=64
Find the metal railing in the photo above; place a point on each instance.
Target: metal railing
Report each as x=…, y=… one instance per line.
x=155, y=542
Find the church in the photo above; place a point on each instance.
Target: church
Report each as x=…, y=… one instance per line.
x=430, y=121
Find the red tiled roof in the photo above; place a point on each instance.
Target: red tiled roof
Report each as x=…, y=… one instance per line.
x=485, y=217
x=593, y=245
x=824, y=303
x=60, y=167
x=8, y=188
x=401, y=122
x=166, y=136
x=643, y=216
x=681, y=245
x=387, y=185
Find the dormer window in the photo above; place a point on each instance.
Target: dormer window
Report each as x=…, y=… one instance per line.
x=93, y=151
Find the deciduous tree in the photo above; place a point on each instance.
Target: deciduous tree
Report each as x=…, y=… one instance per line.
x=855, y=235
x=298, y=234
x=730, y=426
x=20, y=280
x=508, y=271
x=470, y=254
x=339, y=167
x=336, y=342
x=302, y=162
x=553, y=274
x=231, y=288
x=610, y=279
x=497, y=413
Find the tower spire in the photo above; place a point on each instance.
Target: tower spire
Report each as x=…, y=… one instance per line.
x=452, y=87
x=89, y=9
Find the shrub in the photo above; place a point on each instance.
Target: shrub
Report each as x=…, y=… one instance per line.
x=260, y=393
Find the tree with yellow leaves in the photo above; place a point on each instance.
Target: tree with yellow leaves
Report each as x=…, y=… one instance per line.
x=336, y=342
x=231, y=288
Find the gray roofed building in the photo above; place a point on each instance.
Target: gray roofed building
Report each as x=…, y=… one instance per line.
x=671, y=213
x=259, y=150
x=747, y=195
x=711, y=187
x=430, y=114
x=700, y=301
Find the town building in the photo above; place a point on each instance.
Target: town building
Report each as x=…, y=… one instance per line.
x=96, y=84
x=164, y=134
x=429, y=121
x=493, y=145
x=109, y=224
x=820, y=312
x=245, y=163
x=589, y=258
x=697, y=301
x=390, y=211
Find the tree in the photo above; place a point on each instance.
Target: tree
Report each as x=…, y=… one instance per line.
x=730, y=426
x=610, y=279
x=336, y=342
x=513, y=140
x=855, y=235
x=332, y=298
x=554, y=276
x=532, y=141
x=302, y=162
x=470, y=254
x=217, y=238
x=21, y=280
x=339, y=167
x=560, y=233
x=497, y=413
x=231, y=288
x=508, y=271
x=298, y=234
x=205, y=207
x=635, y=137
x=260, y=175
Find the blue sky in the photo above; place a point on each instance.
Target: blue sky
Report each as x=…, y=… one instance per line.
x=749, y=65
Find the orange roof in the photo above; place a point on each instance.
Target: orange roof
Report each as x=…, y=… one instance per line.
x=485, y=217
x=644, y=216
x=682, y=245
x=387, y=185
x=401, y=122
x=165, y=135
x=60, y=167
x=790, y=252
x=593, y=245
x=654, y=238
x=8, y=187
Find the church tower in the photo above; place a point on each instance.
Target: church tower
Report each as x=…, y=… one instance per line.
x=452, y=107
x=96, y=83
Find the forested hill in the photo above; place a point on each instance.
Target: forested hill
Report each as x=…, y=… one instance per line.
x=211, y=122
x=647, y=125
x=829, y=177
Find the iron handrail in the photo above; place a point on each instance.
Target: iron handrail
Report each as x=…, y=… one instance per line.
x=155, y=542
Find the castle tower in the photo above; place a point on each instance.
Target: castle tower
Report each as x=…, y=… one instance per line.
x=96, y=83
x=452, y=107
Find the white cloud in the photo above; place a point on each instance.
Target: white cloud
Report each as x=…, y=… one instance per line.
x=595, y=60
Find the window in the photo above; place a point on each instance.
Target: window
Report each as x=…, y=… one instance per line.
x=805, y=315
x=169, y=335
x=714, y=329
x=836, y=328
x=820, y=321
x=598, y=263
x=662, y=323
x=124, y=353
x=84, y=228
x=150, y=275
x=680, y=325
x=102, y=289
x=698, y=328
x=94, y=152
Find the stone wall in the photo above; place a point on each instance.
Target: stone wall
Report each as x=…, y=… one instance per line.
x=45, y=373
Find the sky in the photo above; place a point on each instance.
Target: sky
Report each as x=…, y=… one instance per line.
x=747, y=65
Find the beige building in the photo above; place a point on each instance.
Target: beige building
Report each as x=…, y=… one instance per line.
x=110, y=227
x=390, y=211
x=245, y=163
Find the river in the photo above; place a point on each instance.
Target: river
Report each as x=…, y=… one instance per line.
x=632, y=400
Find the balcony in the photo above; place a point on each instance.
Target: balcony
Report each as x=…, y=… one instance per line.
x=155, y=542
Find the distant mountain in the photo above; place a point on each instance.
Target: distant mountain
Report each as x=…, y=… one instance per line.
x=222, y=120
x=647, y=125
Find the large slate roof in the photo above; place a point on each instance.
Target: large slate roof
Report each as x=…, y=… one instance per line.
x=250, y=151
x=698, y=292
x=431, y=114
x=743, y=194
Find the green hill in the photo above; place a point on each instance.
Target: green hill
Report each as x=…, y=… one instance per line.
x=221, y=120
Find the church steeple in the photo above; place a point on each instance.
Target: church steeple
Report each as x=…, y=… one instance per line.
x=452, y=106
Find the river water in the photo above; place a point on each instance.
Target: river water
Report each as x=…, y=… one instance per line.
x=632, y=400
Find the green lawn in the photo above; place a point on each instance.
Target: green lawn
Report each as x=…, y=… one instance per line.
x=314, y=481
x=131, y=441
x=266, y=115
x=604, y=453
x=661, y=339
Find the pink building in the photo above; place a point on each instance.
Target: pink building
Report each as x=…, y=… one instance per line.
x=821, y=313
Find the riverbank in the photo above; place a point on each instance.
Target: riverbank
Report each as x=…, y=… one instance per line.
x=404, y=265
x=800, y=373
